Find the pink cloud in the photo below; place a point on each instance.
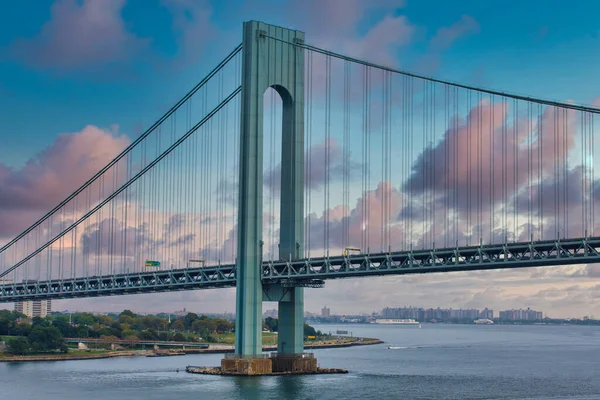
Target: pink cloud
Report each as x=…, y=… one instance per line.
x=49, y=177
x=80, y=34
x=334, y=24
x=361, y=226
x=445, y=36
x=381, y=42
x=475, y=145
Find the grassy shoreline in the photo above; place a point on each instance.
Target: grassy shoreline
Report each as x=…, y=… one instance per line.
x=99, y=354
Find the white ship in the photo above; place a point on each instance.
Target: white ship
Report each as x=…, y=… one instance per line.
x=396, y=322
x=483, y=321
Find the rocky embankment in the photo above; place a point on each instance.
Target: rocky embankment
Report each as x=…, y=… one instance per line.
x=218, y=371
x=67, y=356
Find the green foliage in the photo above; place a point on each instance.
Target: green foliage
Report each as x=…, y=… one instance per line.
x=21, y=329
x=85, y=319
x=4, y=327
x=40, y=339
x=44, y=339
x=18, y=346
x=272, y=324
x=46, y=334
x=189, y=319
x=177, y=325
x=127, y=313
x=37, y=321
x=179, y=337
x=309, y=330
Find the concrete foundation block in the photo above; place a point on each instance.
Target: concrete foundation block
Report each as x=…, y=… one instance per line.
x=247, y=366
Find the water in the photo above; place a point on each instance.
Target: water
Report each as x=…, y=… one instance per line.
x=435, y=362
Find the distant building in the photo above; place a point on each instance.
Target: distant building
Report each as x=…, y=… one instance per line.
x=270, y=313
x=486, y=314
x=325, y=312
x=521, y=315
x=36, y=308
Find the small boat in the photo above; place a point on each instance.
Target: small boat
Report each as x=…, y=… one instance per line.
x=396, y=347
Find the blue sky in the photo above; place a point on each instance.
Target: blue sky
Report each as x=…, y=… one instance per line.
x=542, y=48
x=69, y=64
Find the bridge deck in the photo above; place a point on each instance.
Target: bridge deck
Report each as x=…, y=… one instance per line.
x=467, y=258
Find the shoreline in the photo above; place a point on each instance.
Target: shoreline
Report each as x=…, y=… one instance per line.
x=170, y=353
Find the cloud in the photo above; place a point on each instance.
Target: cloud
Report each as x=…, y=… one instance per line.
x=340, y=165
x=50, y=176
x=381, y=42
x=360, y=226
x=192, y=26
x=88, y=34
x=335, y=25
x=111, y=237
x=447, y=35
x=492, y=159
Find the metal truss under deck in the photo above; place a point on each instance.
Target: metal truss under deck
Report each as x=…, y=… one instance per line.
x=309, y=272
x=114, y=285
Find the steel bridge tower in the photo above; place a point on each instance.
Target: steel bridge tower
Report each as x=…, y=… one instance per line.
x=270, y=59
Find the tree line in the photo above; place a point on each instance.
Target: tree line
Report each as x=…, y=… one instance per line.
x=47, y=334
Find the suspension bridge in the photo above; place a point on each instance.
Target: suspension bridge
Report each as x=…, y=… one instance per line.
x=289, y=165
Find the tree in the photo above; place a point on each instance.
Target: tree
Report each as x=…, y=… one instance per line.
x=22, y=329
x=65, y=329
x=179, y=337
x=18, y=346
x=104, y=320
x=148, y=335
x=222, y=325
x=82, y=331
x=272, y=324
x=128, y=334
x=189, y=319
x=86, y=319
x=4, y=326
x=200, y=328
x=37, y=321
x=42, y=339
x=126, y=319
x=309, y=330
x=177, y=325
x=128, y=313
x=205, y=326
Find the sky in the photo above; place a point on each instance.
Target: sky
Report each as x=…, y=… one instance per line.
x=81, y=77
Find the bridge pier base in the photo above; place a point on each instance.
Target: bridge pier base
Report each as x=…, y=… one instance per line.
x=246, y=366
x=294, y=363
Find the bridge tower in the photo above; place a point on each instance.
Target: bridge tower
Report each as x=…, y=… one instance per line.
x=270, y=60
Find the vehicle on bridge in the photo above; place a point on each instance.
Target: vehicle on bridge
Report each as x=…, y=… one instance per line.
x=350, y=250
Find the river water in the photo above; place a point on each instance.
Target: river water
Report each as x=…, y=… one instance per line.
x=435, y=362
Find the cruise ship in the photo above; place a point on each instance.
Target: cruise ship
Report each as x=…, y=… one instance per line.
x=396, y=322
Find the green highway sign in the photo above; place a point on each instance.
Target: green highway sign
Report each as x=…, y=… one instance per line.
x=152, y=263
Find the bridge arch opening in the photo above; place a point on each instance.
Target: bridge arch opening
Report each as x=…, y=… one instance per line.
x=278, y=136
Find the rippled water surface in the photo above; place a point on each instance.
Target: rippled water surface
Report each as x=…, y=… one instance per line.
x=435, y=362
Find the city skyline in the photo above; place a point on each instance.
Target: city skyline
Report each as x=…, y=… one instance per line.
x=483, y=312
